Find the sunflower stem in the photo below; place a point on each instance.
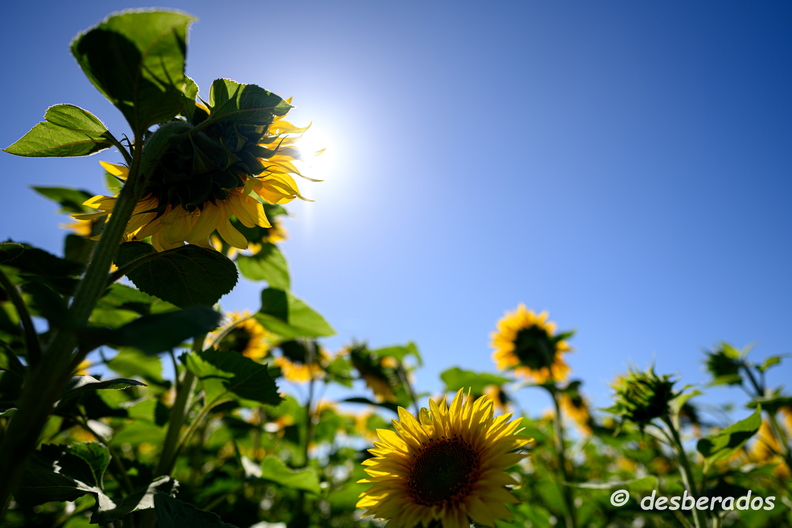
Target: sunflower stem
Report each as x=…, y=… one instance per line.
x=47, y=379
x=685, y=469
x=566, y=491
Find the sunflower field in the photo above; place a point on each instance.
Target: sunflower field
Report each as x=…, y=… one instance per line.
x=130, y=398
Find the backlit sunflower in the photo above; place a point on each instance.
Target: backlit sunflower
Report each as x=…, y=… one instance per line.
x=526, y=343
x=300, y=361
x=448, y=468
x=243, y=334
x=226, y=169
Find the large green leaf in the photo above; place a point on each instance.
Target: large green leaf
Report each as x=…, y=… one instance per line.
x=157, y=333
x=68, y=131
x=185, y=276
x=285, y=315
x=268, y=264
x=273, y=469
x=173, y=513
x=231, y=101
x=456, y=378
x=132, y=362
x=63, y=473
x=58, y=273
x=142, y=499
x=724, y=443
x=223, y=372
x=70, y=200
x=136, y=59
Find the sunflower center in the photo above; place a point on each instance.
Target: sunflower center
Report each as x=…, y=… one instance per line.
x=443, y=471
x=237, y=340
x=534, y=348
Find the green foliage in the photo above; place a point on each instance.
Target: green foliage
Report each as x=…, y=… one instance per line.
x=68, y=131
x=284, y=314
x=725, y=443
x=136, y=59
x=185, y=276
x=268, y=264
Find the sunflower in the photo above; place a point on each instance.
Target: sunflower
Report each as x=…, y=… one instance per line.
x=227, y=169
x=526, y=343
x=448, y=468
x=243, y=334
x=767, y=450
x=576, y=406
x=296, y=362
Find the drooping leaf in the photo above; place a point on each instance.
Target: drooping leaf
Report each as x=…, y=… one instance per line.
x=268, y=264
x=287, y=316
x=224, y=372
x=62, y=473
x=81, y=384
x=141, y=500
x=185, y=276
x=724, y=443
x=456, y=378
x=273, y=469
x=58, y=273
x=136, y=59
x=70, y=200
x=173, y=513
x=232, y=101
x=68, y=131
x=157, y=333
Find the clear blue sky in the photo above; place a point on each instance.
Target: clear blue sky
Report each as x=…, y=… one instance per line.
x=624, y=165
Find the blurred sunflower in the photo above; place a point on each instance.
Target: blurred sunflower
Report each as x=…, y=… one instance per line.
x=300, y=361
x=378, y=373
x=576, y=406
x=245, y=335
x=226, y=169
x=449, y=467
x=525, y=342
x=767, y=450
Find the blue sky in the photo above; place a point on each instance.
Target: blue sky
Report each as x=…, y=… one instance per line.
x=623, y=165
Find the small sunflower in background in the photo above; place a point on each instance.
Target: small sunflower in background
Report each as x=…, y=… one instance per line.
x=767, y=450
x=378, y=373
x=575, y=405
x=448, y=468
x=526, y=343
x=302, y=360
x=244, y=335
x=227, y=169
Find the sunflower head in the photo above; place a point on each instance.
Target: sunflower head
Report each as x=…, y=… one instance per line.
x=301, y=360
x=724, y=364
x=244, y=335
x=642, y=396
x=223, y=165
x=447, y=468
x=576, y=406
x=378, y=372
x=527, y=344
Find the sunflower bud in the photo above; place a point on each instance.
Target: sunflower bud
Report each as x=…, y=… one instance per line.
x=642, y=396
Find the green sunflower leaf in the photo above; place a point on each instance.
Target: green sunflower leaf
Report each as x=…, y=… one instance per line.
x=223, y=372
x=724, y=443
x=61, y=473
x=186, y=276
x=68, y=131
x=70, y=200
x=173, y=513
x=456, y=378
x=136, y=59
x=289, y=317
x=157, y=333
x=232, y=101
x=142, y=499
x=274, y=470
x=268, y=264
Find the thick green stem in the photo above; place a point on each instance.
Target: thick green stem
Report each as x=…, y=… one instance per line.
x=685, y=470
x=46, y=380
x=566, y=491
